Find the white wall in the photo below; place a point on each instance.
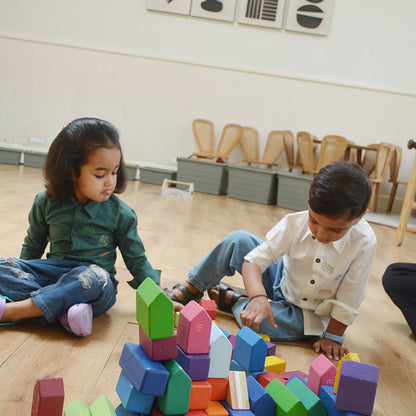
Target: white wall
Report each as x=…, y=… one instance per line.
x=152, y=73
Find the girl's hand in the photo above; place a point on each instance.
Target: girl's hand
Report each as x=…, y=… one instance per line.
x=332, y=349
x=257, y=310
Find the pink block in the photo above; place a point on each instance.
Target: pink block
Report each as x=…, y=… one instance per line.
x=210, y=306
x=158, y=349
x=194, y=329
x=265, y=378
x=48, y=397
x=321, y=373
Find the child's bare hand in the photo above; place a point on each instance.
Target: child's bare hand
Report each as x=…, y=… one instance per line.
x=257, y=310
x=330, y=348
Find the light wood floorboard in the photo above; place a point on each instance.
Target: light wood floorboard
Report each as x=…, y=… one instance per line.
x=176, y=234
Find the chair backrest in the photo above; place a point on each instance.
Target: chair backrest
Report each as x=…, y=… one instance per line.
x=274, y=147
x=306, y=150
x=204, y=135
x=384, y=155
x=289, y=144
x=249, y=143
x=395, y=163
x=231, y=135
x=369, y=160
x=332, y=149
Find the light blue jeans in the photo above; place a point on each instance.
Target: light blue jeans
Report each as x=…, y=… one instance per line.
x=55, y=285
x=225, y=259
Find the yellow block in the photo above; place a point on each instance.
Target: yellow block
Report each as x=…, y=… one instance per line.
x=274, y=364
x=353, y=356
x=265, y=337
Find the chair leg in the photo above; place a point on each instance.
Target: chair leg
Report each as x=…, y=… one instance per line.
x=391, y=198
x=371, y=203
x=377, y=189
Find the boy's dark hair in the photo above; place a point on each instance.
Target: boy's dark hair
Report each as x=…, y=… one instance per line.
x=71, y=149
x=341, y=188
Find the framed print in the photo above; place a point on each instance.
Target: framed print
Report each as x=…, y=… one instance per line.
x=170, y=6
x=214, y=9
x=267, y=13
x=310, y=16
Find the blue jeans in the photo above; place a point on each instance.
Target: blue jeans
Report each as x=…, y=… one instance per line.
x=55, y=285
x=225, y=259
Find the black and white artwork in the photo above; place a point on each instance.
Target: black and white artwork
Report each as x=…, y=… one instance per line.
x=170, y=6
x=267, y=13
x=214, y=9
x=310, y=16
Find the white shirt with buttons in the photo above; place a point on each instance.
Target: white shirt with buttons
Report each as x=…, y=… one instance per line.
x=325, y=280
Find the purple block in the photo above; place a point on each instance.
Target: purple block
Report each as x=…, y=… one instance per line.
x=158, y=349
x=357, y=387
x=195, y=365
x=271, y=348
x=298, y=376
x=327, y=395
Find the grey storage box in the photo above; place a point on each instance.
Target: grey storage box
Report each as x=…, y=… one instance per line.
x=10, y=156
x=156, y=175
x=293, y=190
x=131, y=170
x=252, y=184
x=34, y=159
x=208, y=177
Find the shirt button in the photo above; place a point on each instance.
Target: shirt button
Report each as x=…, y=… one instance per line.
x=318, y=260
x=305, y=299
x=312, y=282
x=313, y=237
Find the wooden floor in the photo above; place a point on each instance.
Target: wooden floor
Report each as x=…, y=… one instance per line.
x=177, y=233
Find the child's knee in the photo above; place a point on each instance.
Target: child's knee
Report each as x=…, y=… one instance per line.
x=94, y=278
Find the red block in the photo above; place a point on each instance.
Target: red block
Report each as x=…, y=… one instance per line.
x=265, y=378
x=210, y=306
x=48, y=397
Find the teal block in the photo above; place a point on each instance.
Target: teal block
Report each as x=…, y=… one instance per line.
x=175, y=401
x=102, y=407
x=309, y=399
x=154, y=310
x=76, y=408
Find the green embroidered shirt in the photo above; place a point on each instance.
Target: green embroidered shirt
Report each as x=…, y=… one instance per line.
x=89, y=233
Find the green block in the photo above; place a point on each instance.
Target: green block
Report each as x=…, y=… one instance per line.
x=313, y=404
x=102, y=407
x=287, y=404
x=154, y=310
x=175, y=401
x=76, y=408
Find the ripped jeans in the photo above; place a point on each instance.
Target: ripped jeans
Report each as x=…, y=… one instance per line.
x=55, y=285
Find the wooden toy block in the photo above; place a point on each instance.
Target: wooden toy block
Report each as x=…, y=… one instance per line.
x=220, y=351
x=48, y=397
x=175, y=324
x=219, y=388
x=237, y=394
x=121, y=411
x=309, y=399
x=130, y=398
x=161, y=349
x=215, y=408
x=327, y=395
x=232, y=338
x=178, y=390
x=76, y=408
x=250, y=350
x=265, y=378
x=147, y=376
x=194, y=329
x=350, y=356
x=200, y=395
x=321, y=372
x=195, y=365
x=271, y=348
x=286, y=402
x=275, y=364
x=226, y=333
x=210, y=306
x=297, y=376
x=102, y=407
x=261, y=403
x=288, y=374
x=197, y=412
x=234, y=412
x=265, y=337
x=357, y=387
x=154, y=310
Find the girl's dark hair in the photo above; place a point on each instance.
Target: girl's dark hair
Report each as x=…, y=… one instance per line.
x=71, y=149
x=341, y=188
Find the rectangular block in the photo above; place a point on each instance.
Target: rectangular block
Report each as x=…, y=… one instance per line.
x=350, y=356
x=195, y=365
x=121, y=411
x=252, y=184
x=237, y=394
x=158, y=349
x=265, y=378
x=208, y=177
x=219, y=388
x=48, y=397
x=215, y=408
x=327, y=395
x=210, y=306
x=293, y=190
x=200, y=395
x=155, y=175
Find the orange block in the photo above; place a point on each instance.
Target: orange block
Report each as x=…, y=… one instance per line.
x=200, y=395
x=219, y=388
x=237, y=394
x=216, y=409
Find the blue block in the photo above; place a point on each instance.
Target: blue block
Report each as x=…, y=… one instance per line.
x=250, y=350
x=130, y=398
x=121, y=411
x=235, y=366
x=195, y=365
x=147, y=376
x=225, y=332
x=233, y=412
x=261, y=403
x=327, y=395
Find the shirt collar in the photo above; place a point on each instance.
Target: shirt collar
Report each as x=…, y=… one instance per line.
x=91, y=208
x=338, y=245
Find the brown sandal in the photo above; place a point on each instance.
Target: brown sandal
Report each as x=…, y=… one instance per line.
x=187, y=294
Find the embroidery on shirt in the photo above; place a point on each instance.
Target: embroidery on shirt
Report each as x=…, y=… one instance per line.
x=103, y=241
x=88, y=229
x=338, y=278
x=325, y=291
x=326, y=267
